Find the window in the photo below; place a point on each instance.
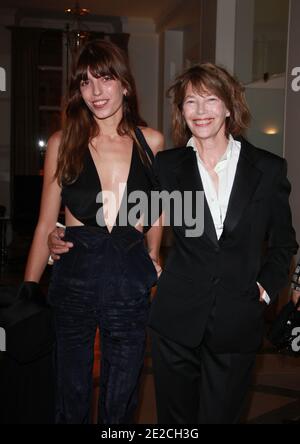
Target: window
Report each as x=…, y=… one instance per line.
x=50, y=88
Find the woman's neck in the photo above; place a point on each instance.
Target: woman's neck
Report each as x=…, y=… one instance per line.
x=109, y=127
x=211, y=150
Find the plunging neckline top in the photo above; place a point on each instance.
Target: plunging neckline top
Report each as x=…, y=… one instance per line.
x=80, y=196
x=93, y=167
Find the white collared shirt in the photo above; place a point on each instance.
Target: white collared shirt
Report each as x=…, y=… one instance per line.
x=226, y=171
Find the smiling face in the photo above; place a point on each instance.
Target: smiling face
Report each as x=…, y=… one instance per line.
x=103, y=95
x=205, y=114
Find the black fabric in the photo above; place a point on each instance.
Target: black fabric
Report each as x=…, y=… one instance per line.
x=8, y=296
x=142, y=141
x=31, y=338
x=19, y=303
x=80, y=197
x=202, y=269
x=26, y=367
x=27, y=321
x=105, y=282
x=27, y=391
x=197, y=386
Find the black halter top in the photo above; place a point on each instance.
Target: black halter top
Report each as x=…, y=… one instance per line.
x=80, y=197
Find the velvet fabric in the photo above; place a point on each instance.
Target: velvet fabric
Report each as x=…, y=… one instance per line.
x=105, y=282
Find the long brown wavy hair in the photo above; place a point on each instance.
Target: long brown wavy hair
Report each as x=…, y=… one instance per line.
x=209, y=78
x=79, y=127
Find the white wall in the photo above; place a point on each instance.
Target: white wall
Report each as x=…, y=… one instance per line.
x=235, y=50
x=225, y=39
x=172, y=66
x=144, y=61
x=244, y=40
x=267, y=109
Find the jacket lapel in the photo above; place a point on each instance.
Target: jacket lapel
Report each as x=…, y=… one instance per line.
x=189, y=179
x=245, y=183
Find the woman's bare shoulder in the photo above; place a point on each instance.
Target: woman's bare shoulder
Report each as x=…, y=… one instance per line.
x=55, y=140
x=154, y=138
x=53, y=145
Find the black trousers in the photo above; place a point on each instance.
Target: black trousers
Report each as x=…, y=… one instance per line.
x=104, y=281
x=197, y=386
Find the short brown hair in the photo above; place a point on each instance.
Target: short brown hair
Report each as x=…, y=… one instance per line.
x=209, y=78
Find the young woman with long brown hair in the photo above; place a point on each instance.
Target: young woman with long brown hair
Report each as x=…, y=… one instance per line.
x=105, y=279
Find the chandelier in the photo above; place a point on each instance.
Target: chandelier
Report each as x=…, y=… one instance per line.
x=77, y=33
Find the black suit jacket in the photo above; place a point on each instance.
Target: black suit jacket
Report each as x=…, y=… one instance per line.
x=257, y=245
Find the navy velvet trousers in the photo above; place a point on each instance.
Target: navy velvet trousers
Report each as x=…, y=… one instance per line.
x=105, y=282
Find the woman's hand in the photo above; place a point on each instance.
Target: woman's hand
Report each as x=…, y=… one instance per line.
x=296, y=297
x=56, y=245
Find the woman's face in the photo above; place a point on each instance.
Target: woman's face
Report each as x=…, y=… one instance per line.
x=103, y=95
x=204, y=114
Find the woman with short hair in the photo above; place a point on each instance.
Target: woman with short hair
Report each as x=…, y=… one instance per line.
x=207, y=317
